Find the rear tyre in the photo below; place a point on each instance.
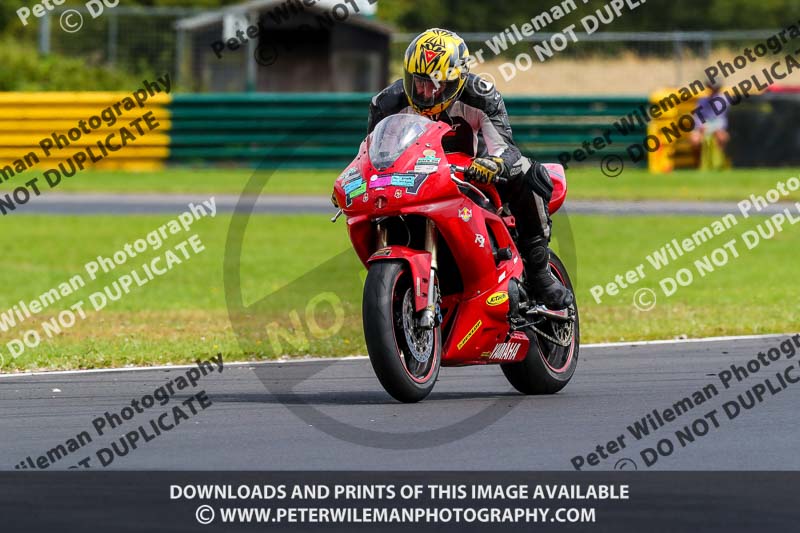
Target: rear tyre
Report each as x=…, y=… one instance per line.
x=548, y=367
x=406, y=358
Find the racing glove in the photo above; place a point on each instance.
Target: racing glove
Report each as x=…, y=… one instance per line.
x=484, y=169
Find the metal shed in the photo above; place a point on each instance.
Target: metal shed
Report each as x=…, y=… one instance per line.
x=284, y=46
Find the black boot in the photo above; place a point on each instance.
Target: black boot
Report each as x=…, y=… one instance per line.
x=541, y=283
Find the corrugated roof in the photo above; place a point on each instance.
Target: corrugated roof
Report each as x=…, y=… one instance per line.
x=215, y=16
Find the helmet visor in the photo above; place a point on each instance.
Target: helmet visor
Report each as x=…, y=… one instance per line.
x=427, y=93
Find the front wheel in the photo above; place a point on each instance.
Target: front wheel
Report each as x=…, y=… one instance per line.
x=405, y=357
x=549, y=365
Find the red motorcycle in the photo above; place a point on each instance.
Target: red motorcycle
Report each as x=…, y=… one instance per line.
x=446, y=283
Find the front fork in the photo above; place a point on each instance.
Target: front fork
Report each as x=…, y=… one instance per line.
x=427, y=319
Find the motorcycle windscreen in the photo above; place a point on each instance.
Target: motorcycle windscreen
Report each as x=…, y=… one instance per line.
x=392, y=136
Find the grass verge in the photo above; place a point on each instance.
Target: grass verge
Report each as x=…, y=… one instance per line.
x=585, y=183
x=182, y=315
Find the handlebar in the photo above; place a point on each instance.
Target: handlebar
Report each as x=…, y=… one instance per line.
x=499, y=180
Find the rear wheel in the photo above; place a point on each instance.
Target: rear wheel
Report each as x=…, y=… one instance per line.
x=405, y=357
x=549, y=365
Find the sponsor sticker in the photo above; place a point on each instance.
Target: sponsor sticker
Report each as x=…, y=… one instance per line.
x=430, y=55
x=465, y=214
x=361, y=189
x=349, y=173
x=410, y=182
x=352, y=185
x=383, y=180
x=403, y=180
x=497, y=298
x=428, y=164
x=469, y=334
x=505, y=351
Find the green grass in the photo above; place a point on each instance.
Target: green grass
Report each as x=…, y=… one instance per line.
x=183, y=315
x=183, y=180
x=585, y=183
x=684, y=185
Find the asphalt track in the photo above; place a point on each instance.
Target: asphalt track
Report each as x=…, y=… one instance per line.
x=130, y=204
x=304, y=415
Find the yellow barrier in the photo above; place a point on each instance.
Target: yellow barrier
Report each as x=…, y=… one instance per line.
x=28, y=118
x=671, y=153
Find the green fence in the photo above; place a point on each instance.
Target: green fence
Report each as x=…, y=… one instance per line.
x=325, y=130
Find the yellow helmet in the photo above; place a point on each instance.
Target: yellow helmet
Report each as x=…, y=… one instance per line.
x=435, y=70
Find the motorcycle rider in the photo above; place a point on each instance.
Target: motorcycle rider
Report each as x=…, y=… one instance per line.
x=437, y=84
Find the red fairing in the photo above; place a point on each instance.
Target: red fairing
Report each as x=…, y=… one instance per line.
x=418, y=184
x=559, y=178
x=420, y=263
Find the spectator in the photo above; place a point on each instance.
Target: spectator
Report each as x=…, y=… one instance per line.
x=711, y=137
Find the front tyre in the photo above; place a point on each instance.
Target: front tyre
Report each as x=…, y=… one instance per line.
x=548, y=366
x=405, y=357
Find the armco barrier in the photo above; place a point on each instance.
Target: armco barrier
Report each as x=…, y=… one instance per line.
x=27, y=118
x=224, y=128
x=238, y=127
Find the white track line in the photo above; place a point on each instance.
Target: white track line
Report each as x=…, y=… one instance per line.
x=182, y=367
x=681, y=341
x=362, y=357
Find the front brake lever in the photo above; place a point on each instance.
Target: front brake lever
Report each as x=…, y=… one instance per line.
x=336, y=216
